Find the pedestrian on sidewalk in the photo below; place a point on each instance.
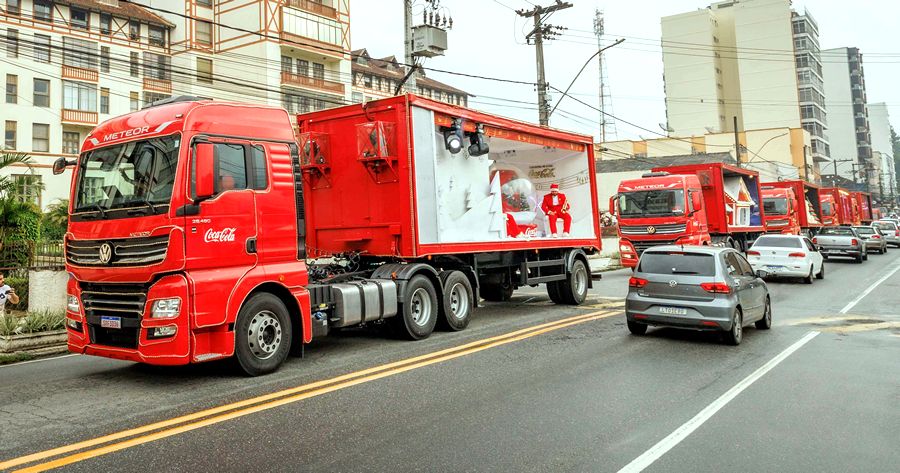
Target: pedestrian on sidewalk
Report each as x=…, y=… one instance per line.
x=6, y=293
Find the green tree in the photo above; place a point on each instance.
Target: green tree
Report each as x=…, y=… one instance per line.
x=19, y=220
x=55, y=219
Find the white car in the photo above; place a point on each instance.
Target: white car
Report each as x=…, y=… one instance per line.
x=890, y=230
x=787, y=256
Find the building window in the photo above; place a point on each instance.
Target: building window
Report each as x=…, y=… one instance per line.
x=79, y=53
x=9, y=136
x=12, y=43
x=204, y=3
x=43, y=10
x=79, y=96
x=312, y=26
x=318, y=71
x=79, y=18
x=157, y=36
x=204, y=33
x=71, y=141
x=105, y=23
x=303, y=67
x=357, y=97
x=157, y=66
x=12, y=88
x=41, y=48
x=134, y=64
x=134, y=30
x=367, y=81
x=104, y=58
x=41, y=93
x=204, y=70
x=40, y=137
x=134, y=101
x=287, y=64
x=28, y=188
x=13, y=7
x=150, y=97
x=104, y=100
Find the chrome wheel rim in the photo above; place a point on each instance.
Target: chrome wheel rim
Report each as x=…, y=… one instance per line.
x=264, y=334
x=580, y=278
x=459, y=301
x=421, y=307
x=768, y=313
x=738, y=329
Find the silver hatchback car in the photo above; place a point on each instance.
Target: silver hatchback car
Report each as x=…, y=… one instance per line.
x=697, y=288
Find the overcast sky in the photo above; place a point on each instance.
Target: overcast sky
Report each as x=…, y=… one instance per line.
x=488, y=40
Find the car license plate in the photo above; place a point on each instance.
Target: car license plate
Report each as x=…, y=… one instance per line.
x=673, y=310
x=774, y=267
x=111, y=322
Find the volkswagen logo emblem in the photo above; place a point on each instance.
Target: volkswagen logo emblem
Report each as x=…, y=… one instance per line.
x=651, y=230
x=673, y=283
x=105, y=253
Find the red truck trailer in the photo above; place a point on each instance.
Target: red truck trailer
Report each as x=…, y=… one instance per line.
x=193, y=224
x=697, y=204
x=846, y=207
x=792, y=207
x=864, y=204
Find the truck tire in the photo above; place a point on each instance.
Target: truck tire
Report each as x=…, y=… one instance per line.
x=262, y=335
x=554, y=292
x=574, y=289
x=418, y=310
x=458, y=301
x=496, y=292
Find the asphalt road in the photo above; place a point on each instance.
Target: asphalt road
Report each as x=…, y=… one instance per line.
x=578, y=393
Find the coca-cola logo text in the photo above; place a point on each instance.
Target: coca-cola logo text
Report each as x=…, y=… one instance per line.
x=220, y=236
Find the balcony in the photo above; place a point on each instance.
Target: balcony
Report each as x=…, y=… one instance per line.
x=298, y=80
x=79, y=117
x=313, y=7
x=158, y=85
x=78, y=73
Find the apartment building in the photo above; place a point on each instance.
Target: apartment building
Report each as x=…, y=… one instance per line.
x=848, y=116
x=755, y=62
x=375, y=78
x=882, y=147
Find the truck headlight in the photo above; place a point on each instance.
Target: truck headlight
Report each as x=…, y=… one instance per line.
x=72, y=304
x=624, y=248
x=166, y=308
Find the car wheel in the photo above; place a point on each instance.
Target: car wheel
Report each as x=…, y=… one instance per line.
x=866, y=255
x=637, y=328
x=736, y=334
x=859, y=259
x=458, y=301
x=262, y=335
x=765, y=323
x=809, y=277
x=821, y=274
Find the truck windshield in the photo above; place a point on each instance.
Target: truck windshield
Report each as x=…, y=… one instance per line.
x=775, y=206
x=651, y=203
x=133, y=175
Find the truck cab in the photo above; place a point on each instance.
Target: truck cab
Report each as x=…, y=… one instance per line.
x=829, y=210
x=781, y=208
x=659, y=209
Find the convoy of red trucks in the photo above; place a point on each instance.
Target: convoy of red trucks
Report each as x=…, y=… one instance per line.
x=845, y=207
x=792, y=207
x=697, y=204
x=193, y=223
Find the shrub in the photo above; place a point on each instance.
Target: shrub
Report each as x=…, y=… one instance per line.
x=32, y=322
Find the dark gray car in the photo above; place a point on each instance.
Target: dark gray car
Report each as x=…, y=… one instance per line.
x=697, y=288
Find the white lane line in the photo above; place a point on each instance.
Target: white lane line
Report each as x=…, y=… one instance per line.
x=867, y=291
x=20, y=363
x=673, y=439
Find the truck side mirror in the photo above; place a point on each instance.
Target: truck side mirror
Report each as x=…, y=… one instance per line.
x=60, y=165
x=697, y=201
x=612, y=204
x=205, y=168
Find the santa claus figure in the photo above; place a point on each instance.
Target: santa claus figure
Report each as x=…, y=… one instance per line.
x=556, y=206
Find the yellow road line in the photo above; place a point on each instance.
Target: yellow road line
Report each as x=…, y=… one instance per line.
x=296, y=393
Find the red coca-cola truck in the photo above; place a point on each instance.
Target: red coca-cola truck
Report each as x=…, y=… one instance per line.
x=846, y=207
x=792, y=207
x=194, y=225
x=696, y=204
x=864, y=204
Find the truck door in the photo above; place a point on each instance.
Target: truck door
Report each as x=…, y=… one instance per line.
x=221, y=237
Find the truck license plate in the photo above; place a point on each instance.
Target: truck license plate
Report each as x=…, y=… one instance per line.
x=673, y=310
x=111, y=322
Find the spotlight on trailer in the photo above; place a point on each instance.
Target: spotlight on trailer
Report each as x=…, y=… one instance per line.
x=478, y=144
x=453, y=137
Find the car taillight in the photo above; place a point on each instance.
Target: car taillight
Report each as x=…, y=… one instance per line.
x=797, y=255
x=897, y=233
x=752, y=253
x=854, y=242
x=716, y=287
x=815, y=241
x=637, y=282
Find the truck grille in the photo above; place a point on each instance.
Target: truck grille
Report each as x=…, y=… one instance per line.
x=125, y=252
x=125, y=301
x=668, y=229
x=641, y=246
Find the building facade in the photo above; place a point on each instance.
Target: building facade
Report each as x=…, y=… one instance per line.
x=375, y=78
x=882, y=147
x=848, y=117
x=755, y=62
x=70, y=64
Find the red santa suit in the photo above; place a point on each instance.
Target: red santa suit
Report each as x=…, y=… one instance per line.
x=559, y=205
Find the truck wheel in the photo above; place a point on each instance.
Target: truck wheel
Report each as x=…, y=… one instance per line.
x=574, y=289
x=262, y=335
x=496, y=292
x=418, y=311
x=553, y=291
x=458, y=303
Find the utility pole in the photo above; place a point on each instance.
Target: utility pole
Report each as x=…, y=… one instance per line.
x=737, y=144
x=408, y=42
x=538, y=35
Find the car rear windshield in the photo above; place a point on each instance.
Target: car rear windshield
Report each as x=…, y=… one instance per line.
x=865, y=230
x=678, y=262
x=837, y=231
x=776, y=242
x=885, y=225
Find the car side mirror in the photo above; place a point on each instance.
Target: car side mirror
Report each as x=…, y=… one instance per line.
x=761, y=274
x=205, y=168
